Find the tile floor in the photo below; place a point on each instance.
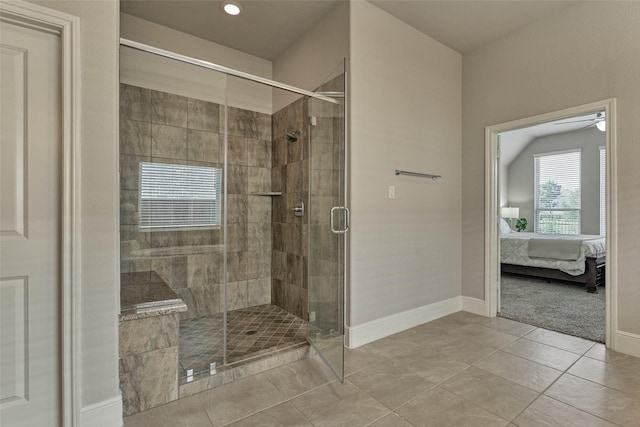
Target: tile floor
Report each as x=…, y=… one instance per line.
x=250, y=332
x=460, y=370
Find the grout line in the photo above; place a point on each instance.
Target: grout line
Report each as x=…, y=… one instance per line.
x=579, y=409
x=548, y=387
x=566, y=372
x=562, y=373
x=559, y=348
x=524, y=409
x=379, y=418
x=528, y=360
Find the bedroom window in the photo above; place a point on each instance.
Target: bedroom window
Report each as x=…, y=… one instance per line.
x=557, y=193
x=603, y=191
x=176, y=196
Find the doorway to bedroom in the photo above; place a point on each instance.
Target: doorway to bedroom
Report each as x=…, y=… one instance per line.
x=550, y=204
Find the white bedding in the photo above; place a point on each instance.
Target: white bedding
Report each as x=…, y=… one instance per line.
x=514, y=249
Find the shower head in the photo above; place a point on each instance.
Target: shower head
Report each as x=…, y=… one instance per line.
x=293, y=136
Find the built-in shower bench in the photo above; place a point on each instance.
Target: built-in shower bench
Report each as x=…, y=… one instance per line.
x=145, y=294
x=149, y=326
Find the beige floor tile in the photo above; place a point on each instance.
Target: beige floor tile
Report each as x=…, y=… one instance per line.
x=622, y=379
x=612, y=405
x=236, y=400
x=561, y=341
x=339, y=404
x=600, y=352
x=465, y=317
x=186, y=412
x=391, y=345
x=284, y=414
x=299, y=377
x=495, y=394
x=551, y=413
x=391, y=420
x=402, y=371
x=455, y=348
x=422, y=334
x=541, y=353
x=333, y=353
x=507, y=326
x=359, y=358
x=485, y=336
x=377, y=351
x=429, y=363
x=391, y=383
x=454, y=321
x=440, y=408
x=520, y=371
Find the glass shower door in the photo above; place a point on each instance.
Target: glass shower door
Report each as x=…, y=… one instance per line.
x=328, y=222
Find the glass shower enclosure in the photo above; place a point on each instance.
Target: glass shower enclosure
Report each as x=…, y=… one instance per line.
x=328, y=221
x=234, y=208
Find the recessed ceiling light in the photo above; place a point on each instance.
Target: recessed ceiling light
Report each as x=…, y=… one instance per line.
x=231, y=7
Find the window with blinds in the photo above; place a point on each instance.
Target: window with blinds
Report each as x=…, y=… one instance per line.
x=557, y=193
x=178, y=196
x=603, y=191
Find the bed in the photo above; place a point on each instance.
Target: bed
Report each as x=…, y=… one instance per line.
x=575, y=258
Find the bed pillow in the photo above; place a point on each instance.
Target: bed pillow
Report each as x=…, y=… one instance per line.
x=504, y=227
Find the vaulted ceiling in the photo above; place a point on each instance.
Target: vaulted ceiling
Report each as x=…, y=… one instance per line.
x=267, y=27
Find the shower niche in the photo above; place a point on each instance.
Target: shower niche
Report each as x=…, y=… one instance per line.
x=219, y=266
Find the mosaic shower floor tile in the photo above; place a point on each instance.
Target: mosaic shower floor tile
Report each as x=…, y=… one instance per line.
x=251, y=332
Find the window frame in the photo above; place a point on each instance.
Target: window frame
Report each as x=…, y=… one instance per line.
x=536, y=190
x=187, y=203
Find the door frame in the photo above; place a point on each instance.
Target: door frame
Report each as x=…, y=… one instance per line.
x=492, y=242
x=67, y=27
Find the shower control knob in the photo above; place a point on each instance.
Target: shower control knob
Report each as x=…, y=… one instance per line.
x=298, y=209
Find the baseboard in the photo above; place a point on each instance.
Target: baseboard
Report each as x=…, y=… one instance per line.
x=475, y=306
x=371, y=331
x=628, y=343
x=107, y=413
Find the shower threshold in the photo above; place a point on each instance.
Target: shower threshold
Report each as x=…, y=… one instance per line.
x=252, y=333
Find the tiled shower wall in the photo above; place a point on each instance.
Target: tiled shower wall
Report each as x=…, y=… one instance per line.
x=166, y=128
x=290, y=175
x=318, y=156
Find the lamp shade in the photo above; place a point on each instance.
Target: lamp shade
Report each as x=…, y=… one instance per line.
x=509, y=212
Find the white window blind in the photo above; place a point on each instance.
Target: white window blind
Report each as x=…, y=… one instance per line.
x=557, y=193
x=174, y=196
x=603, y=191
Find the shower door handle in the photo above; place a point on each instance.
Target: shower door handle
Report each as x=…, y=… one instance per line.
x=347, y=215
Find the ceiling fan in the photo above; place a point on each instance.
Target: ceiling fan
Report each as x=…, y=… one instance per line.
x=597, y=121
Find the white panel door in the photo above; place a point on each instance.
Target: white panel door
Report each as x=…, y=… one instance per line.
x=30, y=190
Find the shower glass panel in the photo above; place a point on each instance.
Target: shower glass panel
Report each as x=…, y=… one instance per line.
x=172, y=196
x=328, y=222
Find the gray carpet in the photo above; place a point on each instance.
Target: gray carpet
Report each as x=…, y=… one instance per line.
x=559, y=306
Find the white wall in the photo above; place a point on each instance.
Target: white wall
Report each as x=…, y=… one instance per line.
x=405, y=113
x=510, y=144
x=99, y=294
x=582, y=54
x=167, y=75
x=521, y=175
x=313, y=57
